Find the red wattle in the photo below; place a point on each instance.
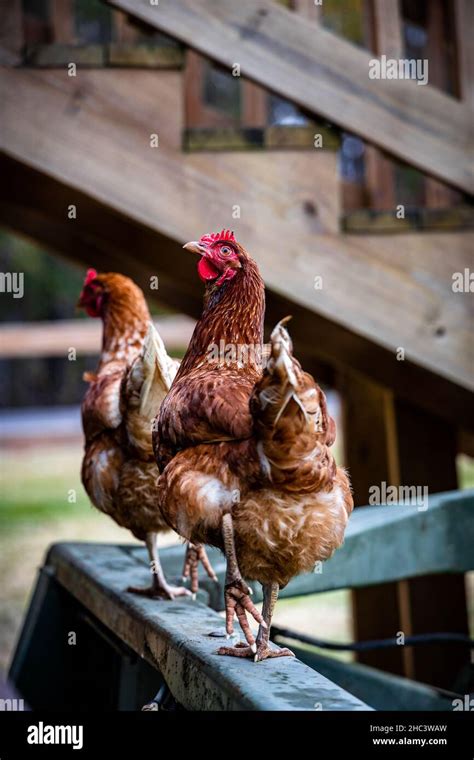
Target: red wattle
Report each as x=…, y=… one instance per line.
x=206, y=270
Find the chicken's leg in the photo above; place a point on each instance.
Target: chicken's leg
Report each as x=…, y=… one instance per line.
x=262, y=650
x=237, y=593
x=196, y=553
x=159, y=588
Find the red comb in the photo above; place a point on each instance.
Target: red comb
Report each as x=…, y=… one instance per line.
x=91, y=275
x=215, y=236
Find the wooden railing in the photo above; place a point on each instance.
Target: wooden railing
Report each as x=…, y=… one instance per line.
x=148, y=646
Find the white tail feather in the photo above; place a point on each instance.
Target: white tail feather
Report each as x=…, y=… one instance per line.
x=158, y=372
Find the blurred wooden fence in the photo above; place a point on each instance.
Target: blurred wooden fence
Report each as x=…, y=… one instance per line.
x=57, y=338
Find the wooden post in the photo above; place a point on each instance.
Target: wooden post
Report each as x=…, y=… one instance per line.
x=254, y=105
x=379, y=179
x=369, y=426
x=370, y=455
x=62, y=20
x=125, y=32
x=464, y=24
x=387, y=39
x=309, y=9
x=392, y=441
x=197, y=113
x=438, y=194
x=11, y=32
x=427, y=450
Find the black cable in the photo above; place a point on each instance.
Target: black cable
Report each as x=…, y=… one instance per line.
x=365, y=646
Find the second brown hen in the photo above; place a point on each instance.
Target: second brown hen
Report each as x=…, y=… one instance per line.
x=134, y=374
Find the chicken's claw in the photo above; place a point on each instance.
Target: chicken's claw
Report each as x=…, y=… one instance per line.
x=257, y=653
x=238, y=602
x=196, y=553
x=157, y=591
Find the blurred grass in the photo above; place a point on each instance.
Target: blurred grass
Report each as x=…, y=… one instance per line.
x=36, y=483
x=35, y=486
x=465, y=471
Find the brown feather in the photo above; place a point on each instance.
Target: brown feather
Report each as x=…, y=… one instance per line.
x=209, y=398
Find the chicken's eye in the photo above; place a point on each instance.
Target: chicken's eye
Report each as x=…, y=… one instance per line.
x=225, y=250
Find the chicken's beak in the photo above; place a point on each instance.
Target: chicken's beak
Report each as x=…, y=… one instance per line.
x=196, y=247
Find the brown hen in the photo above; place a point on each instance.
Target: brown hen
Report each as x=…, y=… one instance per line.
x=247, y=455
x=119, y=472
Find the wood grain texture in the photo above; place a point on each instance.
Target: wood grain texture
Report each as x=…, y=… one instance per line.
x=302, y=61
x=391, y=294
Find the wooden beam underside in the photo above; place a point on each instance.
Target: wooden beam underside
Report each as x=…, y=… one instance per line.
x=300, y=60
x=88, y=142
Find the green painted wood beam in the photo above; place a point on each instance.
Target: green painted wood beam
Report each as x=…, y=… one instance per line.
x=386, y=543
x=174, y=638
x=382, y=691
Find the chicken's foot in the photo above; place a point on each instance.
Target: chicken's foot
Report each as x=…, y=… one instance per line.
x=196, y=553
x=160, y=588
x=262, y=650
x=237, y=592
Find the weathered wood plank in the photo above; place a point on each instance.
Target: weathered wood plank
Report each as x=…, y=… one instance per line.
x=56, y=54
x=223, y=138
x=248, y=138
x=382, y=691
x=174, y=637
x=136, y=55
x=144, y=55
x=302, y=137
x=367, y=221
x=329, y=76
